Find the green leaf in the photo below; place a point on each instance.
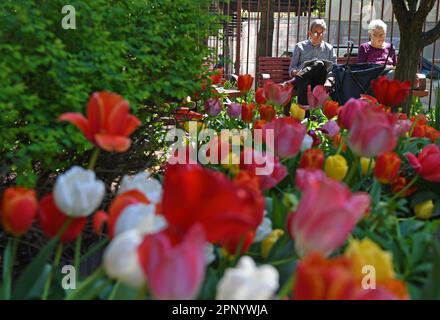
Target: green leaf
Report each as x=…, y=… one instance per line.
x=33, y=271
x=7, y=271
x=432, y=287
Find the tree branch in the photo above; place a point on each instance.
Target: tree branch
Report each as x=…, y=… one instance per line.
x=401, y=12
x=412, y=5
x=424, y=8
x=430, y=36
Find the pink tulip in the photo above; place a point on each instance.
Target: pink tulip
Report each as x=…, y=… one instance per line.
x=330, y=128
x=372, y=132
x=402, y=127
x=288, y=136
x=347, y=113
x=174, y=273
x=316, y=97
x=427, y=163
x=264, y=165
x=326, y=214
x=276, y=93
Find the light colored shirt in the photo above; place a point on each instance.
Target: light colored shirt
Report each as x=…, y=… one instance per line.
x=305, y=51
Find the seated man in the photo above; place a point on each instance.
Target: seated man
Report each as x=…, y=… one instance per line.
x=311, y=60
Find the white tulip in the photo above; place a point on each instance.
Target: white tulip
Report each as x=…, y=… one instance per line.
x=143, y=182
x=248, y=282
x=307, y=142
x=78, y=193
x=141, y=217
x=120, y=259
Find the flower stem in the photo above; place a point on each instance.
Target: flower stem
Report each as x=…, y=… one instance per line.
x=404, y=189
x=352, y=171
x=7, y=275
x=90, y=279
x=55, y=264
x=287, y=287
x=114, y=290
x=93, y=158
x=77, y=261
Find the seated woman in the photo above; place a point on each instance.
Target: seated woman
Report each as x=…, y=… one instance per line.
x=377, y=50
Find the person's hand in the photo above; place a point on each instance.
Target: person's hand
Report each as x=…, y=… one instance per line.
x=293, y=73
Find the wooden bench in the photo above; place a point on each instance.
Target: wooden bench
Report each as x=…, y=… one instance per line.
x=277, y=70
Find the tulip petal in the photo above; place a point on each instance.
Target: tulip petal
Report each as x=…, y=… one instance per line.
x=113, y=143
x=79, y=121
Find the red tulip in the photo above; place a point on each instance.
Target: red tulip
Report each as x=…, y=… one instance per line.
x=312, y=159
x=108, y=124
x=427, y=163
x=184, y=114
x=401, y=182
x=259, y=96
x=331, y=109
x=277, y=94
x=326, y=214
x=387, y=167
x=99, y=219
x=18, y=210
x=216, y=76
x=288, y=136
x=244, y=82
x=118, y=205
x=390, y=92
x=247, y=112
x=196, y=195
x=174, y=272
x=51, y=220
x=316, y=97
x=265, y=166
x=267, y=113
x=432, y=134
x=372, y=132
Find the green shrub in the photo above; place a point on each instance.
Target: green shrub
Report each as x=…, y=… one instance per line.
x=148, y=51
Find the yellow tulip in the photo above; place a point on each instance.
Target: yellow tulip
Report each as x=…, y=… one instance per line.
x=336, y=167
x=366, y=252
x=270, y=240
x=424, y=210
x=297, y=112
x=365, y=162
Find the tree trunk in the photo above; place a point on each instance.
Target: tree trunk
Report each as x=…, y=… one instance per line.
x=265, y=33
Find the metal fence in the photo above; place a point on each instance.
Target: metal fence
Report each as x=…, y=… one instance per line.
x=346, y=20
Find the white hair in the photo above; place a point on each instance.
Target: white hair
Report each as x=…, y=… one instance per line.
x=318, y=23
x=377, y=25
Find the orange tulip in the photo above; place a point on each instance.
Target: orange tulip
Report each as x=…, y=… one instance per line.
x=108, y=124
x=267, y=112
x=247, y=112
x=312, y=159
x=244, y=82
x=331, y=109
x=18, y=209
x=387, y=167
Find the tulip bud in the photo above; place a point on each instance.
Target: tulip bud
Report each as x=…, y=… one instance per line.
x=312, y=159
x=150, y=187
x=78, y=193
x=213, y=107
x=18, y=209
x=365, y=162
x=270, y=240
x=387, y=167
x=336, y=167
x=424, y=210
x=297, y=112
x=234, y=110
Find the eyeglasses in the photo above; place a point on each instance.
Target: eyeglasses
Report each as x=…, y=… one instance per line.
x=318, y=34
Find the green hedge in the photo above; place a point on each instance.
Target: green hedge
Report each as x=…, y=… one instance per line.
x=148, y=51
